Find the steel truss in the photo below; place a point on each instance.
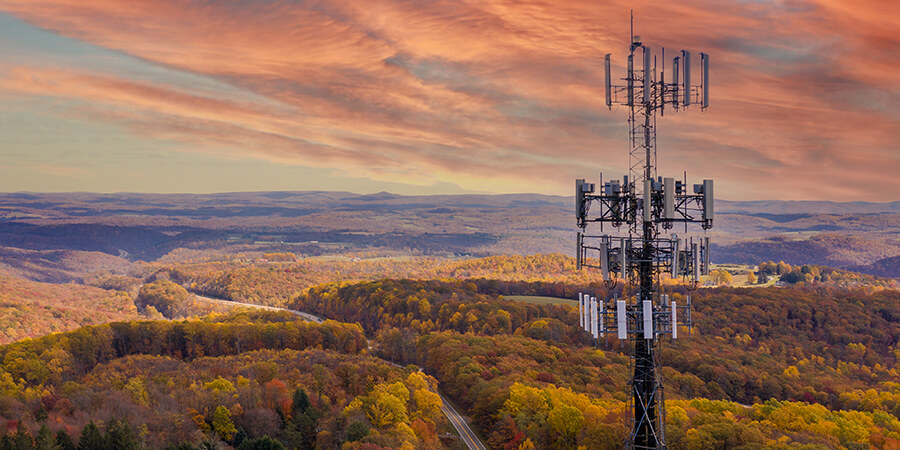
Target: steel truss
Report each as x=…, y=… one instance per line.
x=646, y=205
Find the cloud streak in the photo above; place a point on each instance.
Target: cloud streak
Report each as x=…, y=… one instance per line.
x=494, y=95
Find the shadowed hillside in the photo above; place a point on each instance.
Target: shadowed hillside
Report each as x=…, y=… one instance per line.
x=149, y=226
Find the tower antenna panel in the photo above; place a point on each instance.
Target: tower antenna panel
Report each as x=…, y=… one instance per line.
x=647, y=81
x=686, y=57
x=608, y=81
x=704, y=79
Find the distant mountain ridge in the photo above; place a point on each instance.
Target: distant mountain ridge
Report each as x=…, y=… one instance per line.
x=139, y=226
x=805, y=207
x=326, y=198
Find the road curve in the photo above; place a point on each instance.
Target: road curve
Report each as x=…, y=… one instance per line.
x=307, y=316
x=468, y=436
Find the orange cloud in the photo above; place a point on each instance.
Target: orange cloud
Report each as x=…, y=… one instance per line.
x=497, y=93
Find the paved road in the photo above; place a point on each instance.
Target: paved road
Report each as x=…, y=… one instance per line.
x=468, y=436
x=305, y=315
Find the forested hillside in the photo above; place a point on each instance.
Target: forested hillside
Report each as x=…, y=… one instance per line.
x=811, y=362
x=31, y=309
x=241, y=379
x=803, y=354
x=277, y=278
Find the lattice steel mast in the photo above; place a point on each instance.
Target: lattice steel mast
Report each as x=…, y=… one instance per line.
x=646, y=203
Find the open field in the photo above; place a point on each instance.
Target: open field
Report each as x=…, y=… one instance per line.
x=540, y=300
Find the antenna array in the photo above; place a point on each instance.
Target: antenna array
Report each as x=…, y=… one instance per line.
x=646, y=204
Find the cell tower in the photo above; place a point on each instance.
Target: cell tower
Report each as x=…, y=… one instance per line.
x=649, y=206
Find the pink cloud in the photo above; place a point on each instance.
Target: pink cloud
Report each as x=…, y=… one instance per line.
x=499, y=93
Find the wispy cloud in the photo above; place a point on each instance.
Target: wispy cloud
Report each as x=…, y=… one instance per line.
x=495, y=95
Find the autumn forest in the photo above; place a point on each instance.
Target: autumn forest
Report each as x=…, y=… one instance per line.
x=196, y=344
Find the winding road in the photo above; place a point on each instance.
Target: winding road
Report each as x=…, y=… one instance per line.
x=465, y=433
x=306, y=316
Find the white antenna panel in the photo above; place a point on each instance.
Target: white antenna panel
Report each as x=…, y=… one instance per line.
x=648, y=319
x=581, y=309
x=674, y=321
x=606, y=64
x=621, y=322
x=647, y=80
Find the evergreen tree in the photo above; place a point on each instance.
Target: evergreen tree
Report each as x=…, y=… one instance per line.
x=263, y=443
x=91, y=439
x=182, y=446
x=120, y=436
x=300, y=402
x=300, y=431
x=356, y=431
x=239, y=437
x=64, y=441
x=44, y=440
x=23, y=440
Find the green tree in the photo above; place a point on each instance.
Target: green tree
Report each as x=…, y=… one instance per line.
x=64, y=441
x=44, y=439
x=300, y=402
x=300, y=431
x=181, y=446
x=356, y=431
x=120, y=436
x=22, y=440
x=239, y=437
x=263, y=443
x=91, y=439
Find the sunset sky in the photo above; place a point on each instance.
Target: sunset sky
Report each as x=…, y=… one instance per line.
x=438, y=97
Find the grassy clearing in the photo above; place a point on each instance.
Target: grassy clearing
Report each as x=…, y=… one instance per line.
x=539, y=300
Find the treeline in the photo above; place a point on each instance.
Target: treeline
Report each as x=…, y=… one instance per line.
x=447, y=304
x=812, y=273
x=274, y=283
x=60, y=357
